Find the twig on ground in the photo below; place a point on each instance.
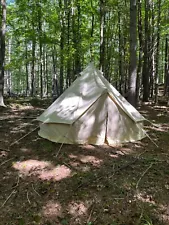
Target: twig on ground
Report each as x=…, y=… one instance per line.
x=91, y=212
x=13, y=192
x=115, y=171
x=16, y=183
x=23, y=137
x=143, y=175
x=35, y=190
x=6, y=161
x=27, y=195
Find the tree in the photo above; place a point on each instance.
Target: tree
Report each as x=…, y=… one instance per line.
x=2, y=49
x=133, y=53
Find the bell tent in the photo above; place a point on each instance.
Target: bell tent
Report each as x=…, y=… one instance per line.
x=91, y=111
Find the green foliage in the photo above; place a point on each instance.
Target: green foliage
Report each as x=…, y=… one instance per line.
x=43, y=22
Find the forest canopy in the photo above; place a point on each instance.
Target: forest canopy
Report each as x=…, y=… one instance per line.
x=48, y=42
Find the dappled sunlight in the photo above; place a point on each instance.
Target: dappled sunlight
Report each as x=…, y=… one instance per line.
x=163, y=210
x=164, y=216
x=57, y=174
x=94, y=161
x=124, y=151
x=91, y=159
x=80, y=167
x=89, y=147
x=77, y=208
x=44, y=170
x=15, y=106
x=113, y=155
x=159, y=128
x=25, y=150
x=52, y=209
x=145, y=198
x=31, y=166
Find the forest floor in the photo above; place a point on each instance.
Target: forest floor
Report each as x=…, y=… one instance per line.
x=82, y=185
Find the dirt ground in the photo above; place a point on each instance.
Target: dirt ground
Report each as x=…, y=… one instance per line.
x=44, y=183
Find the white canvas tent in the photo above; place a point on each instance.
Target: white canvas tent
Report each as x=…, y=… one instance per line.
x=91, y=111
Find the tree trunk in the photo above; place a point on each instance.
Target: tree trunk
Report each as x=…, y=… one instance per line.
x=166, y=67
x=145, y=73
x=40, y=47
x=27, y=71
x=92, y=32
x=2, y=49
x=102, y=41
x=140, y=35
x=121, y=78
x=55, y=86
x=33, y=69
x=62, y=24
x=133, y=54
x=157, y=52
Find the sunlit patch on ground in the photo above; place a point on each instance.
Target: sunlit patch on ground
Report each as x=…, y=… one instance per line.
x=113, y=155
x=56, y=174
x=94, y=161
x=145, y=198
x=52, y=209
x=42, y=169
x=91, y=159
x=77, y=208
x=25, y=150
x=31, y=166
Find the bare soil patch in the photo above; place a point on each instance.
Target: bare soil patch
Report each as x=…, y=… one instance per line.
x=83, y=185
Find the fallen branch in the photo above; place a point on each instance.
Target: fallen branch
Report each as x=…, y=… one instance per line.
x=27, y=195
x=35, y=191
x=16, y=183
x=23, y=137
x=115, y=171
x=143, y=175
x=13, y=192
x=6, y=162
x=90, y=215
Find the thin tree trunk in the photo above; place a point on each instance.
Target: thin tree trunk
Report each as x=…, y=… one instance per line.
x=55, y=86
x=40, y=47
x=121, y=78
x=33, y=69
x=62, y=24
x=92, y=32
x=139, y=68
x=68, y=77
x=157, y=52
x=47, y=73
x=27, y=71
x=166, y=67
x=102, y=41
x=145, y=73
x=2, y=49
x=133, y=55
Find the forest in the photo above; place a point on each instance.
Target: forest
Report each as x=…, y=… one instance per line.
x=44, y=47
x=50, y=42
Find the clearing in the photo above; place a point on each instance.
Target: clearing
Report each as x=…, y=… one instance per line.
x=45, y=183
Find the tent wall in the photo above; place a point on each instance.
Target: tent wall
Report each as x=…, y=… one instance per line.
x=120, y=127
x=89, y=128
x=104, y=121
